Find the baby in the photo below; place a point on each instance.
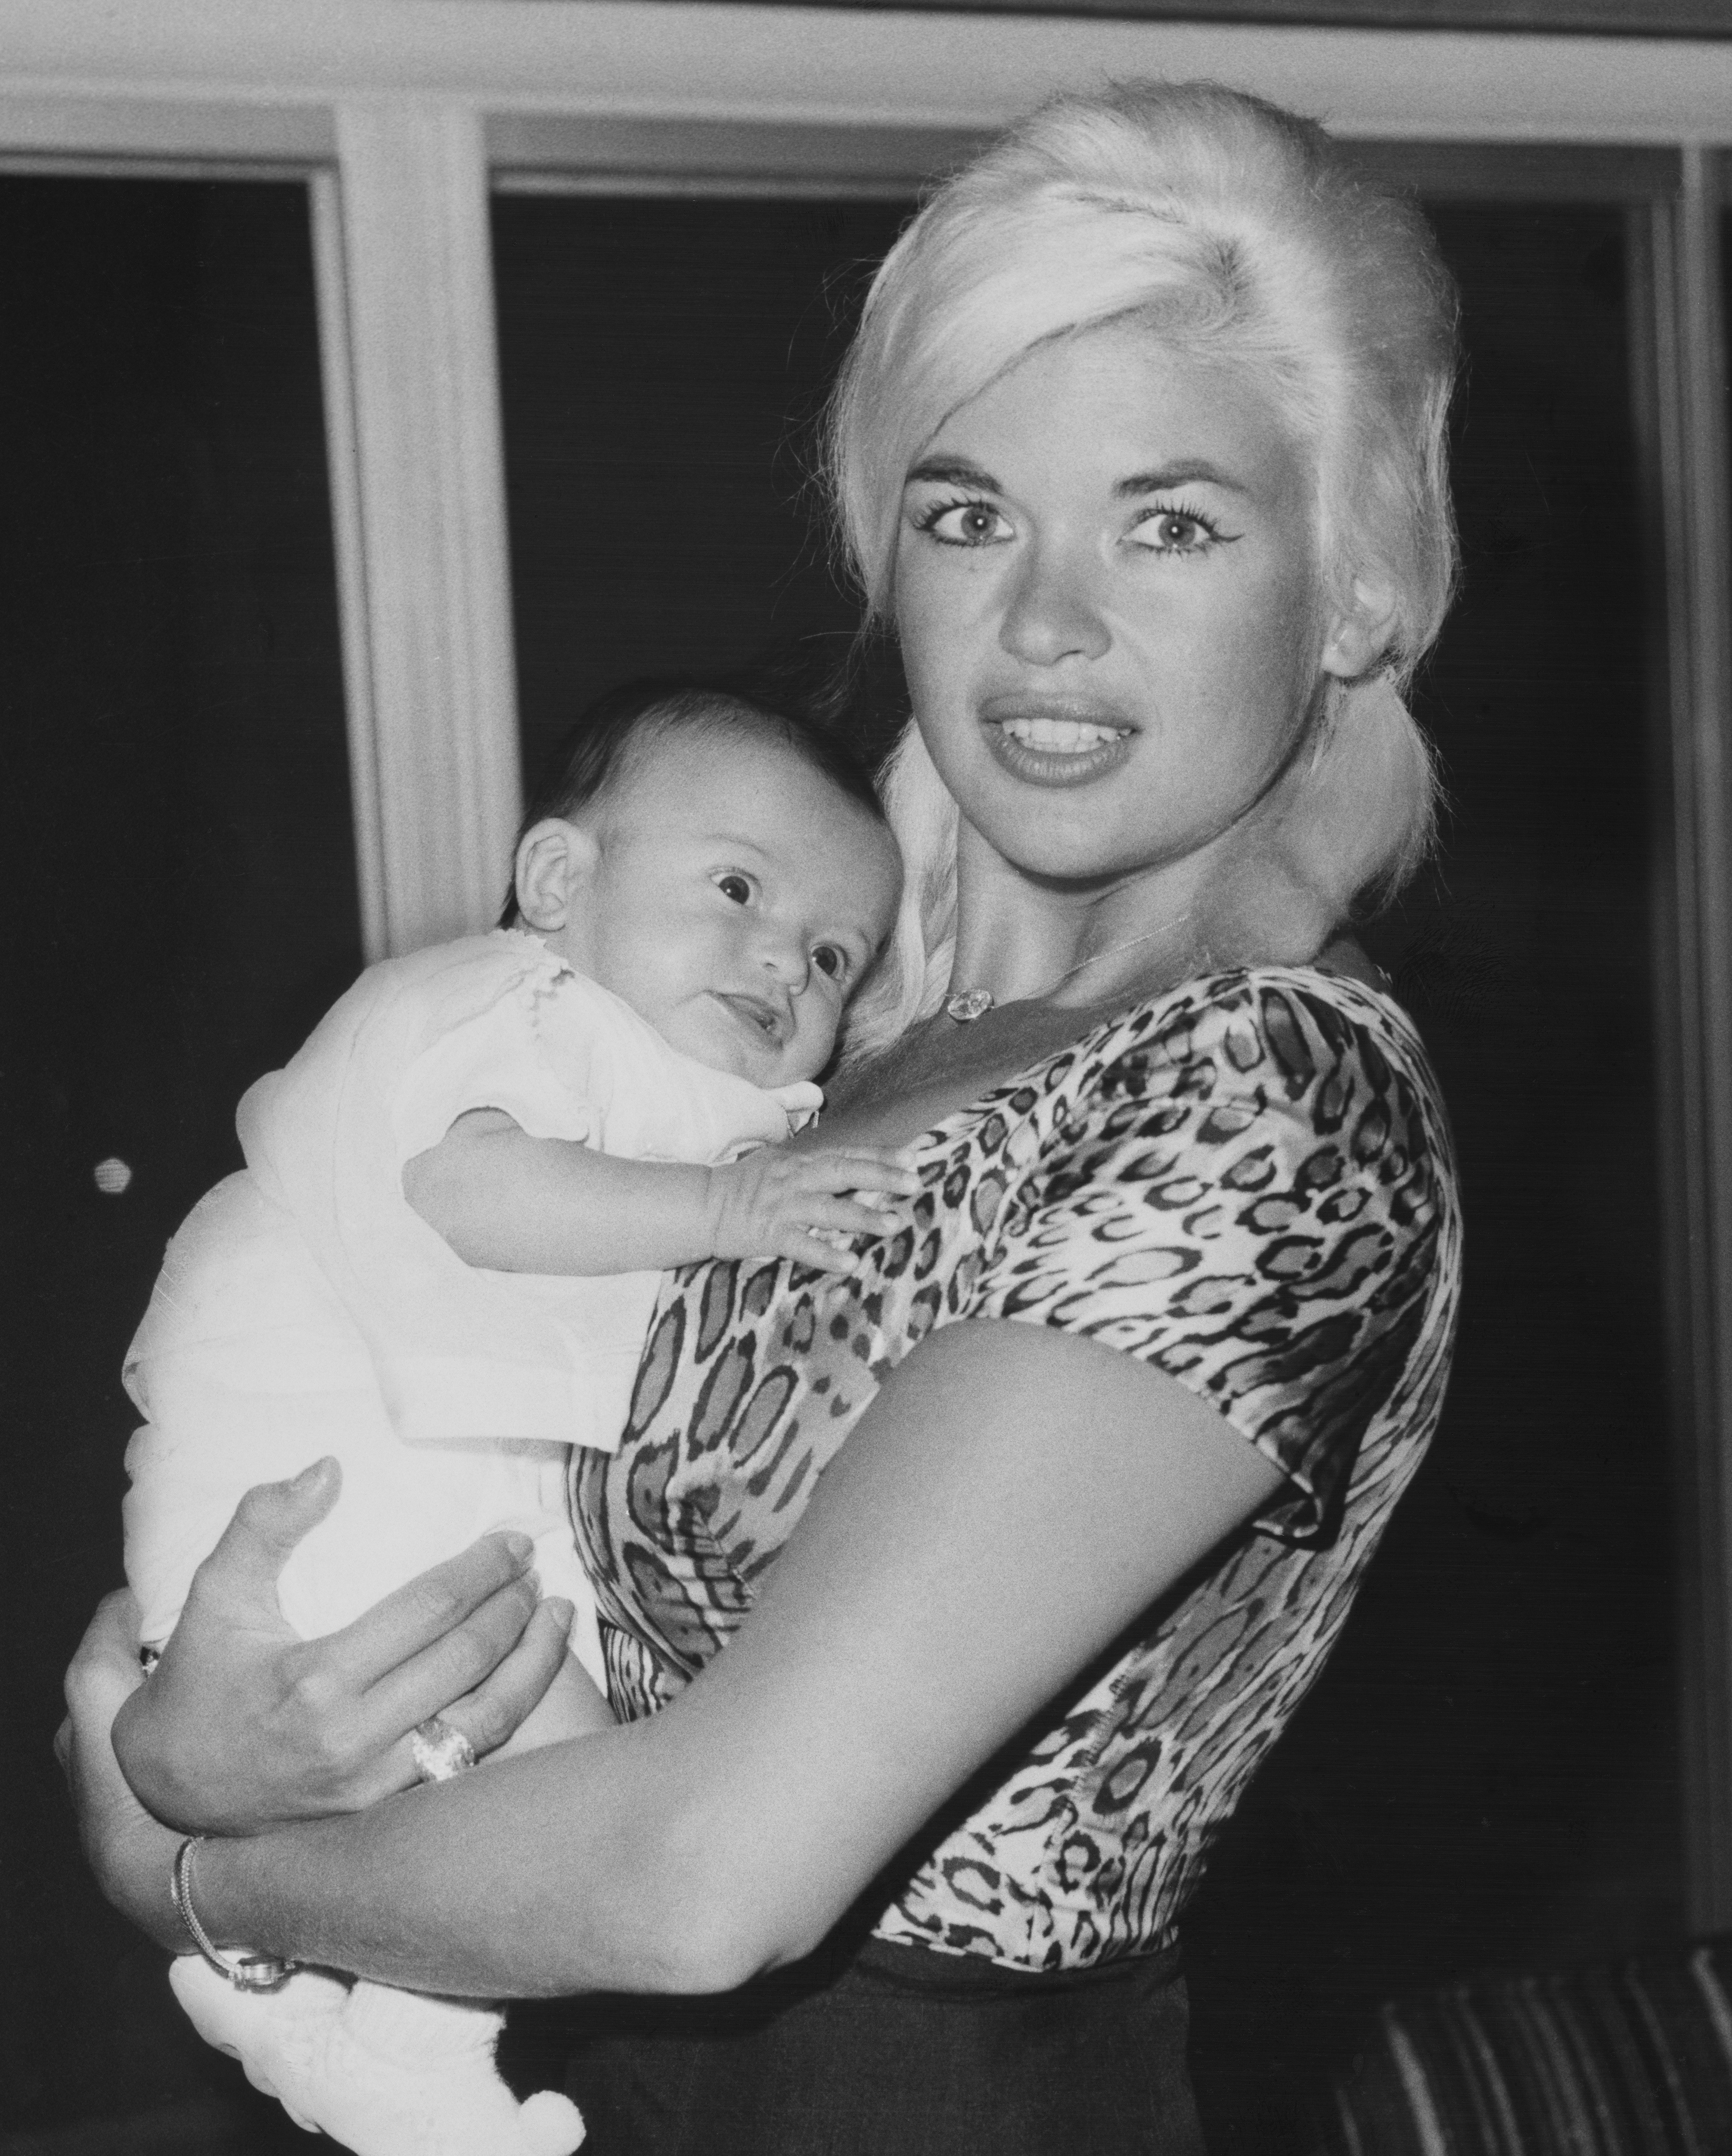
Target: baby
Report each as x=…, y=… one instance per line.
x=440, y=1261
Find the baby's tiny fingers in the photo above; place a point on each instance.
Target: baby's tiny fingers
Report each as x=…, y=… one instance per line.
x=812, y=1251
x=864, y=1171
x=851, y=1216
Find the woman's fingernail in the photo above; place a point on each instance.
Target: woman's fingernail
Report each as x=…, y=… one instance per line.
x=563, y=1611
x=308, y=1475
x=519, y=1546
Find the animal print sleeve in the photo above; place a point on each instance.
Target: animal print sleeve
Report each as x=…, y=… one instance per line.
x=1245, y=1191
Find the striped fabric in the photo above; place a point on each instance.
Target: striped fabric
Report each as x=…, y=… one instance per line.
x=1634, y=2060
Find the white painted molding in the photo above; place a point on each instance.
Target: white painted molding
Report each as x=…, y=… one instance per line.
x=424, y=572
x=849, y=67
x=342, y=454
x=1694, y=939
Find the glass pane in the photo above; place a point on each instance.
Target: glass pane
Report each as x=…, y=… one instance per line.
x=1486, y=1773
x=180, y=895
x=662, y=364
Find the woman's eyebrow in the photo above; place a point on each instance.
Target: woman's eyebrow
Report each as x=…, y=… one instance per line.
x=953, y=471
x=1185, y=473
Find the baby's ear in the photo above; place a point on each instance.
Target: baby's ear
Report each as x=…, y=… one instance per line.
x=552, y=857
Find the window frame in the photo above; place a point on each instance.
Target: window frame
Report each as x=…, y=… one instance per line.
x=403, y=115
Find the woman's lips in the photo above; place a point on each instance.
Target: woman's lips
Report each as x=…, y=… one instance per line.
x=1056, y=743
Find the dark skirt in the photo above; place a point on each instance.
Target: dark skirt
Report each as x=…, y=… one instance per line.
x=896, y=2052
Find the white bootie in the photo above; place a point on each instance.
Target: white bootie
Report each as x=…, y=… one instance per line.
x=385, y=2073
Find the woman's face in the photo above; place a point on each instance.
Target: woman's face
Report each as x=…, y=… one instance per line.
x=1110, y=606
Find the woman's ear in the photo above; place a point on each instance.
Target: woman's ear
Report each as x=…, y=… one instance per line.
x=553, y=857
x=1359, y=634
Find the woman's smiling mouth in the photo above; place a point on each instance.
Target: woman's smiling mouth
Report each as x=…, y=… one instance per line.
x=1055, y=742
x=1068, y=735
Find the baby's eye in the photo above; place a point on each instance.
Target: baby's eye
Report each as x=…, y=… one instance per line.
x=830, y=960
x=1172, y=531
x=734, y=885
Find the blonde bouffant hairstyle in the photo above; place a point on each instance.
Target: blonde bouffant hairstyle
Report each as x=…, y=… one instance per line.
x=1236, y=232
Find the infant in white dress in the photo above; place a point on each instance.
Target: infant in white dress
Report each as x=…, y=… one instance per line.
x=440, y=1261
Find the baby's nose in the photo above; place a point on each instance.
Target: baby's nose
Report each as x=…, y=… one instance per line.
x=787, y=959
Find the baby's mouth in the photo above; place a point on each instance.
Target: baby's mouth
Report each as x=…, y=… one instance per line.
x=757, y=1014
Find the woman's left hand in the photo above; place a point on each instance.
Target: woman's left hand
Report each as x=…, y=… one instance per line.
x=129, y=1852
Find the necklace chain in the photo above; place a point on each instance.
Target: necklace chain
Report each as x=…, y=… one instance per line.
x=968, y=1004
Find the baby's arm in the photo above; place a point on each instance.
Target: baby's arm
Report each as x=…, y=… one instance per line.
x=515, y=1204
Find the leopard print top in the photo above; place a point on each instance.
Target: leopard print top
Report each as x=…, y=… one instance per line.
x=1248, y=1182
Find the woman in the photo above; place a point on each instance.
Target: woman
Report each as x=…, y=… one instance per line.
x=1025, y=1542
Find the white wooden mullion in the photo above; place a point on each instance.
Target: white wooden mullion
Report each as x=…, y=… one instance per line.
x=1695, y=966
x=424, y=566
x=348, y=536
x=1702, y=595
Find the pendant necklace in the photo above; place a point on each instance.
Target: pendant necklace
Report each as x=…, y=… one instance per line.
x=964, y=1008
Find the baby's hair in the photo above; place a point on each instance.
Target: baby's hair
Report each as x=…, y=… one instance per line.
x=596, y=756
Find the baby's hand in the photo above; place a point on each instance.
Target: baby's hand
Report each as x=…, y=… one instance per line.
x=774, y=1204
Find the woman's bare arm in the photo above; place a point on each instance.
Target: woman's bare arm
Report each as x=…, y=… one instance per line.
x=1010, y=1503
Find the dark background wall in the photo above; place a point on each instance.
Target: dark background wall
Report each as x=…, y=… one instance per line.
x=1486, y=1775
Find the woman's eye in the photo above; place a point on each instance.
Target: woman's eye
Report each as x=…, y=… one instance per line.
x=965, y=524
x=830, y=960
x=736, y=887
x=1172, y=531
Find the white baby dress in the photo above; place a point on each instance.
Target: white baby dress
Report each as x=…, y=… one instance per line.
x=304, y=1308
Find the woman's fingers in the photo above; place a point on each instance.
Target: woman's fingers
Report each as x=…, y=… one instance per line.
x=454, y=1621
x=492, y=1712
x=127, y=1851
x=101, y=1677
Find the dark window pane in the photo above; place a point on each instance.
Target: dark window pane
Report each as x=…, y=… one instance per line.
x=662, y=364
x=180, y=895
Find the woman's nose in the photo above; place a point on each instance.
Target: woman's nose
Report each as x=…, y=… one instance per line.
x=1054, y=611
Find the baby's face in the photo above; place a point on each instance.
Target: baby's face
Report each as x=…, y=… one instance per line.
x=735, y=899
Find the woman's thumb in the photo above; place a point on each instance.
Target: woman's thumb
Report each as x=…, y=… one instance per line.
x=273, y=1517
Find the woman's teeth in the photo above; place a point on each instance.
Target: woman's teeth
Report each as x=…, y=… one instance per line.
x=1061, y=736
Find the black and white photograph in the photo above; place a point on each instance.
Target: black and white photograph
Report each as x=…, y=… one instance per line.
x=867, y=1058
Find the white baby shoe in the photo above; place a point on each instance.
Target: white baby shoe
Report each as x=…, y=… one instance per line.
x=385, y=2073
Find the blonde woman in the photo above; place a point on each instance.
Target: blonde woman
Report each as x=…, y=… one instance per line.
x=1025, y=1541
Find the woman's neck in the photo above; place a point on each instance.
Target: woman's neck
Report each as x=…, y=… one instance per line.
x=1021, y=939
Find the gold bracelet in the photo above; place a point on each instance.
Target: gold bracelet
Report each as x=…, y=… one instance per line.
x=246, y=1972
